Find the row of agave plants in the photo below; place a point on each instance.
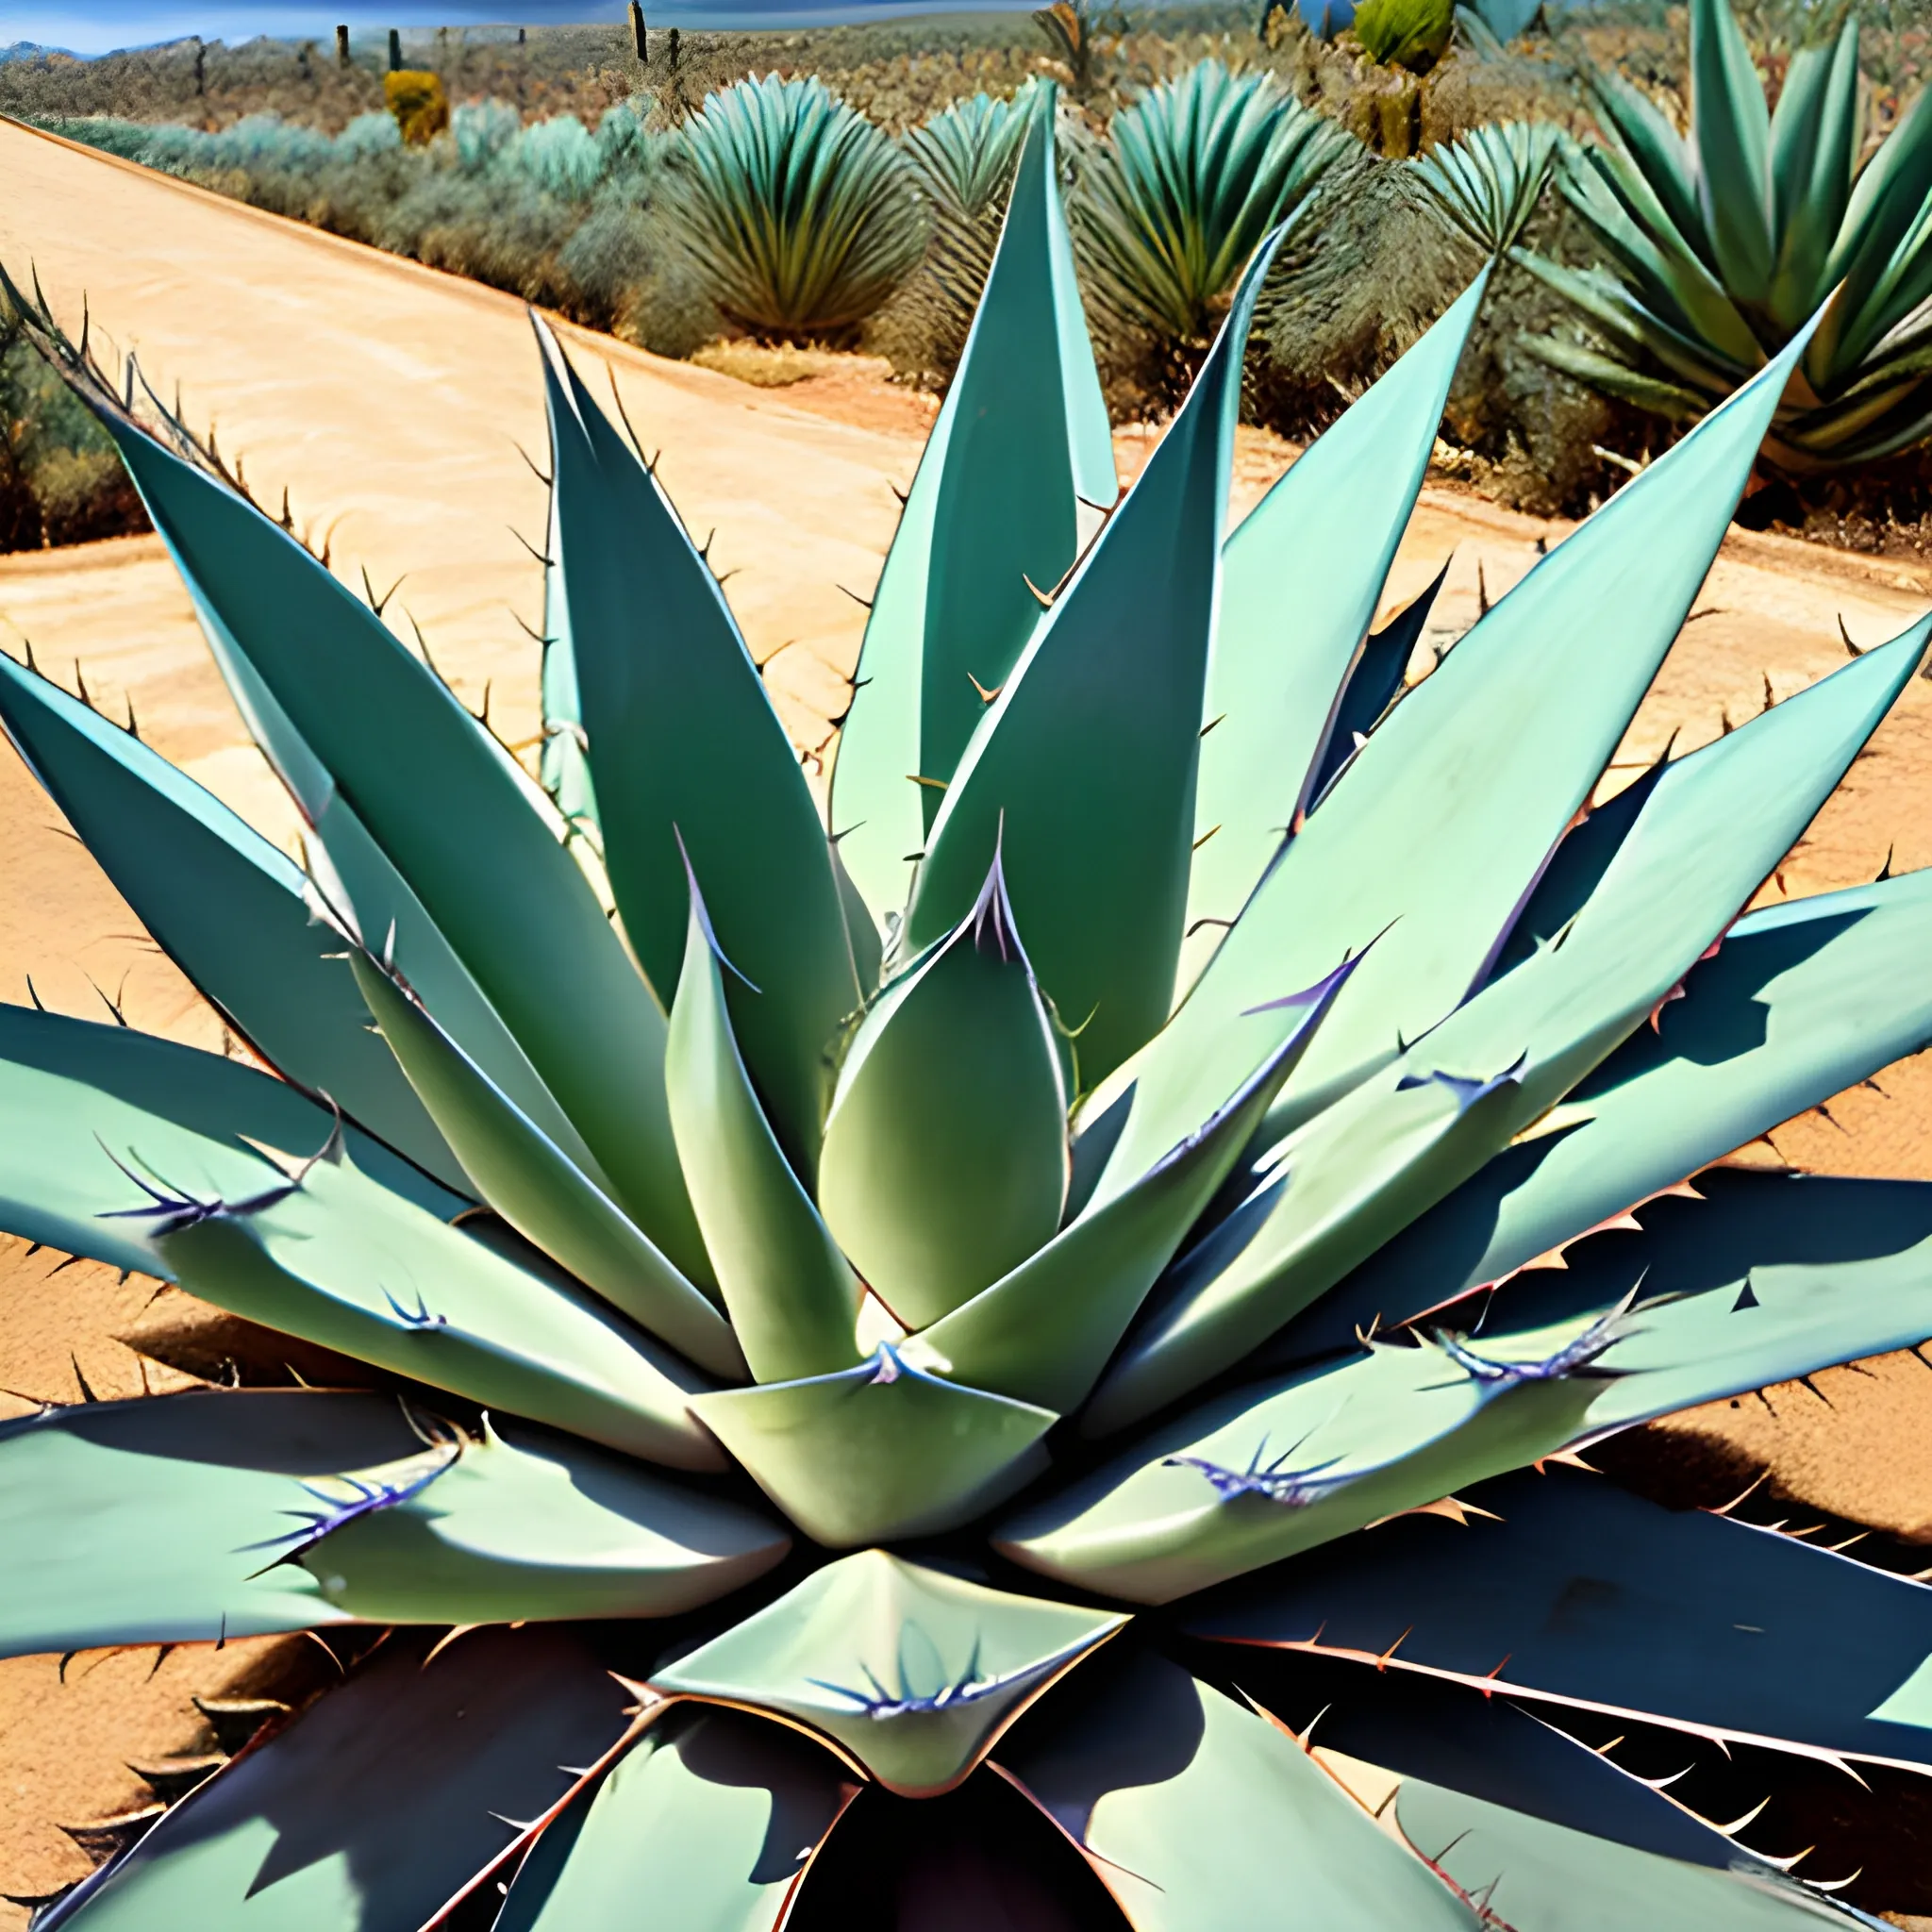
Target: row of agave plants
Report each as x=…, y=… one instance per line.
x=1716, y=247
x=902, y=1350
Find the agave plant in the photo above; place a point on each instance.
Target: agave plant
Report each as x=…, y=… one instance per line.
x=798, y=212
x=1486, y=184
x=965, y=154
x=1414, y=34
x=1722, y=249
x=706, y=1203
x=1197, y=172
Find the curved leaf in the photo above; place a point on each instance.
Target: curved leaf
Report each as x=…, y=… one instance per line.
x=711, y=1817
x=1328, y=529
x=793, y=1297
x=1082, y=772
x=1815, y=139
x=945, y=1154
x=227, y=906
x=537, y=1189
x=332, y=1258
x=1022, y=437
x=1576, y=1592
x=450, y=810
x=1443, y=821
x=912, y=1673
x=1198, y=1815
x=659, y=662
x=379, y=1807
x=879, y=1452
x=1045, y=1331
x=1730, y=127
x=1265, y=1473
x=70, y=1088
x=203, y=1516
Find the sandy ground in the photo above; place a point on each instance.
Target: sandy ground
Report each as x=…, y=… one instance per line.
x=389, y=401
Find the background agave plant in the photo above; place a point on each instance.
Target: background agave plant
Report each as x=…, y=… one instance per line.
x=1196, y=173
x=799, y=212
x=1725, y=247
x=707, y=1206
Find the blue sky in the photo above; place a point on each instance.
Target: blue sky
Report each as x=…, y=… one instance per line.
x=94, y=26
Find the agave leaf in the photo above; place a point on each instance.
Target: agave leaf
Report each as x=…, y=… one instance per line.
x=1044, y=1332
x=879, y=1452
x=1329, y=527
x=363, y=892
x=69, y=1089
x=1662, y=158
x=450, y=814
x=1082, y=772
x=945, y=1154
x=197, y=1517
x=1608, y=301
x=1682, y=1618
x=793, y=1297
x=1374, y=684
x=660, y=659
x=1022, y=437
x=1815, y=135
x=1785, y=1015
x=861, y=932
x=1471, y=1741
x=335, y=1259
x=380, y=1806
x=1443, y=821
x=1551, y=1879
x=537, y=1189
x=1269, y=1472
x=1730, y=128
x=228, y=908
x=910, y=1673
x=710, y=1816
x=1198, y=1815
x=565, y=762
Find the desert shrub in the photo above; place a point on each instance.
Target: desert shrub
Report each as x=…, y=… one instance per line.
x=800, y=215
x=1405, y=33
x=556, y=157
x=419, y=104
x=60, y=481
x=480, y=130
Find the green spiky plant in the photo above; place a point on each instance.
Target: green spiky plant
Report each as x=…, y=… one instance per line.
x=1486, y=184
x=1722, y=249
x=799, y=214
x=1196, y=173
x=705, y=1204
x=1414, y=34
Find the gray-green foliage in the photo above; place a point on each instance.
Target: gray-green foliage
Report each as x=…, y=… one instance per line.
x=1190, y=179
x=1722, y=245
x=799, y=214
x=1107, y=1138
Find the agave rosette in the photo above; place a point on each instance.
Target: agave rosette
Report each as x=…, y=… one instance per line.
x=704, y=1191
x=1724, y=245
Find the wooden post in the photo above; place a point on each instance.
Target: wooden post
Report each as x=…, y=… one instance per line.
x=342, y=46
x=638, y=32
x=395, y=51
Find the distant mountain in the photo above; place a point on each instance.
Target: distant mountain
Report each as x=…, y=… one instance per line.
x=27, y=50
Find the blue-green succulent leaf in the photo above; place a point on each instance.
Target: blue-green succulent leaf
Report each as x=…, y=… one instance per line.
x=1199, y=1815
x=685, y=747
x=791, y=1295
x=710, y=1816
x=1573, y=1590
x=208, y=1515
x=1443, y=821
x=1815, y=138
x=379, y=1807
x=520, y=1172
x=320, y=1250
x=224, y=904
x=1044, y=1332
x=911, y=1672
x=75, y=1097
x=1301, y=580
x=1021, y=441
x=1552, y=1878
x=1082, y=772
x=1731, y=131
x=879, y=1452
x=451, y=811
x=946, y=1154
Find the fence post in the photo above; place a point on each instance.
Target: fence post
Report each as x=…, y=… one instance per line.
x=342, y=46
x=638, y=32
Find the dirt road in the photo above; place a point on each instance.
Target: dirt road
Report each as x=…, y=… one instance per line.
x=390, y=401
